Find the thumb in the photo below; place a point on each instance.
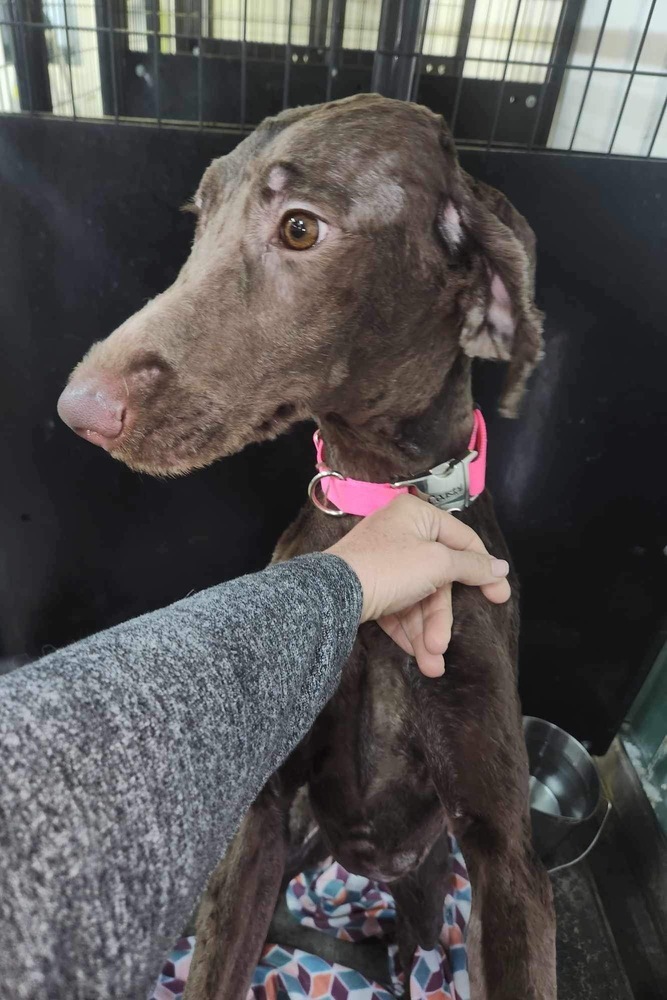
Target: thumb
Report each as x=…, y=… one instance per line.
x=471, y=568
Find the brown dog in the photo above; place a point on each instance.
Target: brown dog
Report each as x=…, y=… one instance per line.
x=346, y=269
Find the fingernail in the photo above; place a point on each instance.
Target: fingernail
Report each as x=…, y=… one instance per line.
x=500, y=567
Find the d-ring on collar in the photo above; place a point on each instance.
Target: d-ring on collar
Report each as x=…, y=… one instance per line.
x=453, y=485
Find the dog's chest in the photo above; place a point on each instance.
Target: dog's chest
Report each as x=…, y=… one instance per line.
x=372, y=712
x=369, y=787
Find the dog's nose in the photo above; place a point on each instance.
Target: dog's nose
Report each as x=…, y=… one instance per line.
x=95, y=409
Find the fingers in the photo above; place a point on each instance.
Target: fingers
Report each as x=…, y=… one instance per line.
x=456, y=535
x=430, y=664
x=424, y=631
x=438, y=620
x=497, y=593
x=411, y=621
x=408, y=552
x=453, y=533
x=391, y=624
x=473, y=568
x=407, y=632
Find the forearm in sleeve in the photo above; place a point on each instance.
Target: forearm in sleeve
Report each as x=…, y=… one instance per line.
x=128, y=759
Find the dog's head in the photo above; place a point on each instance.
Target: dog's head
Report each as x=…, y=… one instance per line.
x=342, y=261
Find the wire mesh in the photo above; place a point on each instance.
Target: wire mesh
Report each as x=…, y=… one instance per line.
x=571, y=75
x=73, y=63
x=9, y=87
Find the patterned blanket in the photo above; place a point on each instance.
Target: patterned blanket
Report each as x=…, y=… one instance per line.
x=350, y=908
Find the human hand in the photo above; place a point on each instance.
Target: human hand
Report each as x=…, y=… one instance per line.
x=406, y=557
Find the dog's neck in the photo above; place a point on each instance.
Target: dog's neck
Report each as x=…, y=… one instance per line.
x=382, y=448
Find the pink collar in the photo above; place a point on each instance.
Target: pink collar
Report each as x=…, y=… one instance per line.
x=453, y=485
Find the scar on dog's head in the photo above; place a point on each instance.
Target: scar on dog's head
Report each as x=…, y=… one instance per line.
x=341, y=262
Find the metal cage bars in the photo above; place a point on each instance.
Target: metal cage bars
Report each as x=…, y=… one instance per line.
x=254, y=78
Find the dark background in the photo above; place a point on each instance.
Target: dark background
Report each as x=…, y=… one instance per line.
x=90, y=229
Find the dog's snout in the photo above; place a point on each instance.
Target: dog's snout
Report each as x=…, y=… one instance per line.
x=95, y=408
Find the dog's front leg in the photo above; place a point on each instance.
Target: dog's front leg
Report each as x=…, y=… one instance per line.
x=419, y=899
x=512, y=936
x=511, y=939
x=237, y=906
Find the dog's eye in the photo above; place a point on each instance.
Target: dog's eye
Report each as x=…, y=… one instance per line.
x=301, y=230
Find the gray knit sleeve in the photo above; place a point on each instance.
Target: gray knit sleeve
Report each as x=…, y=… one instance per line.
x=128, y=759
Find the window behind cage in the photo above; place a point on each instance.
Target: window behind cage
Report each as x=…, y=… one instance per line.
x=573, y=75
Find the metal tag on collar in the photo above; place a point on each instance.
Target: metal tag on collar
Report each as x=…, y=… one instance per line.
x=446, y=486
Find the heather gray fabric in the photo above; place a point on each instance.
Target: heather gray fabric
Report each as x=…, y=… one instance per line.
x=128, y=760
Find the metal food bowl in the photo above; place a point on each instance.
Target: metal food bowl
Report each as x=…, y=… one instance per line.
x=565, y=789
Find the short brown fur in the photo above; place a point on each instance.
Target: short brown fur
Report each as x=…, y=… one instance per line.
x=371, y=334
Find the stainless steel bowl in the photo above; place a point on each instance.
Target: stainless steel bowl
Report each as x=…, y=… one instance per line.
x=565, y=787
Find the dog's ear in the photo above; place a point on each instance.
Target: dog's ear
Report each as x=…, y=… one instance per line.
x=499, y=318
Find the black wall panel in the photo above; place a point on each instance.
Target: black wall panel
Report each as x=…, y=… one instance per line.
x=90, y=228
